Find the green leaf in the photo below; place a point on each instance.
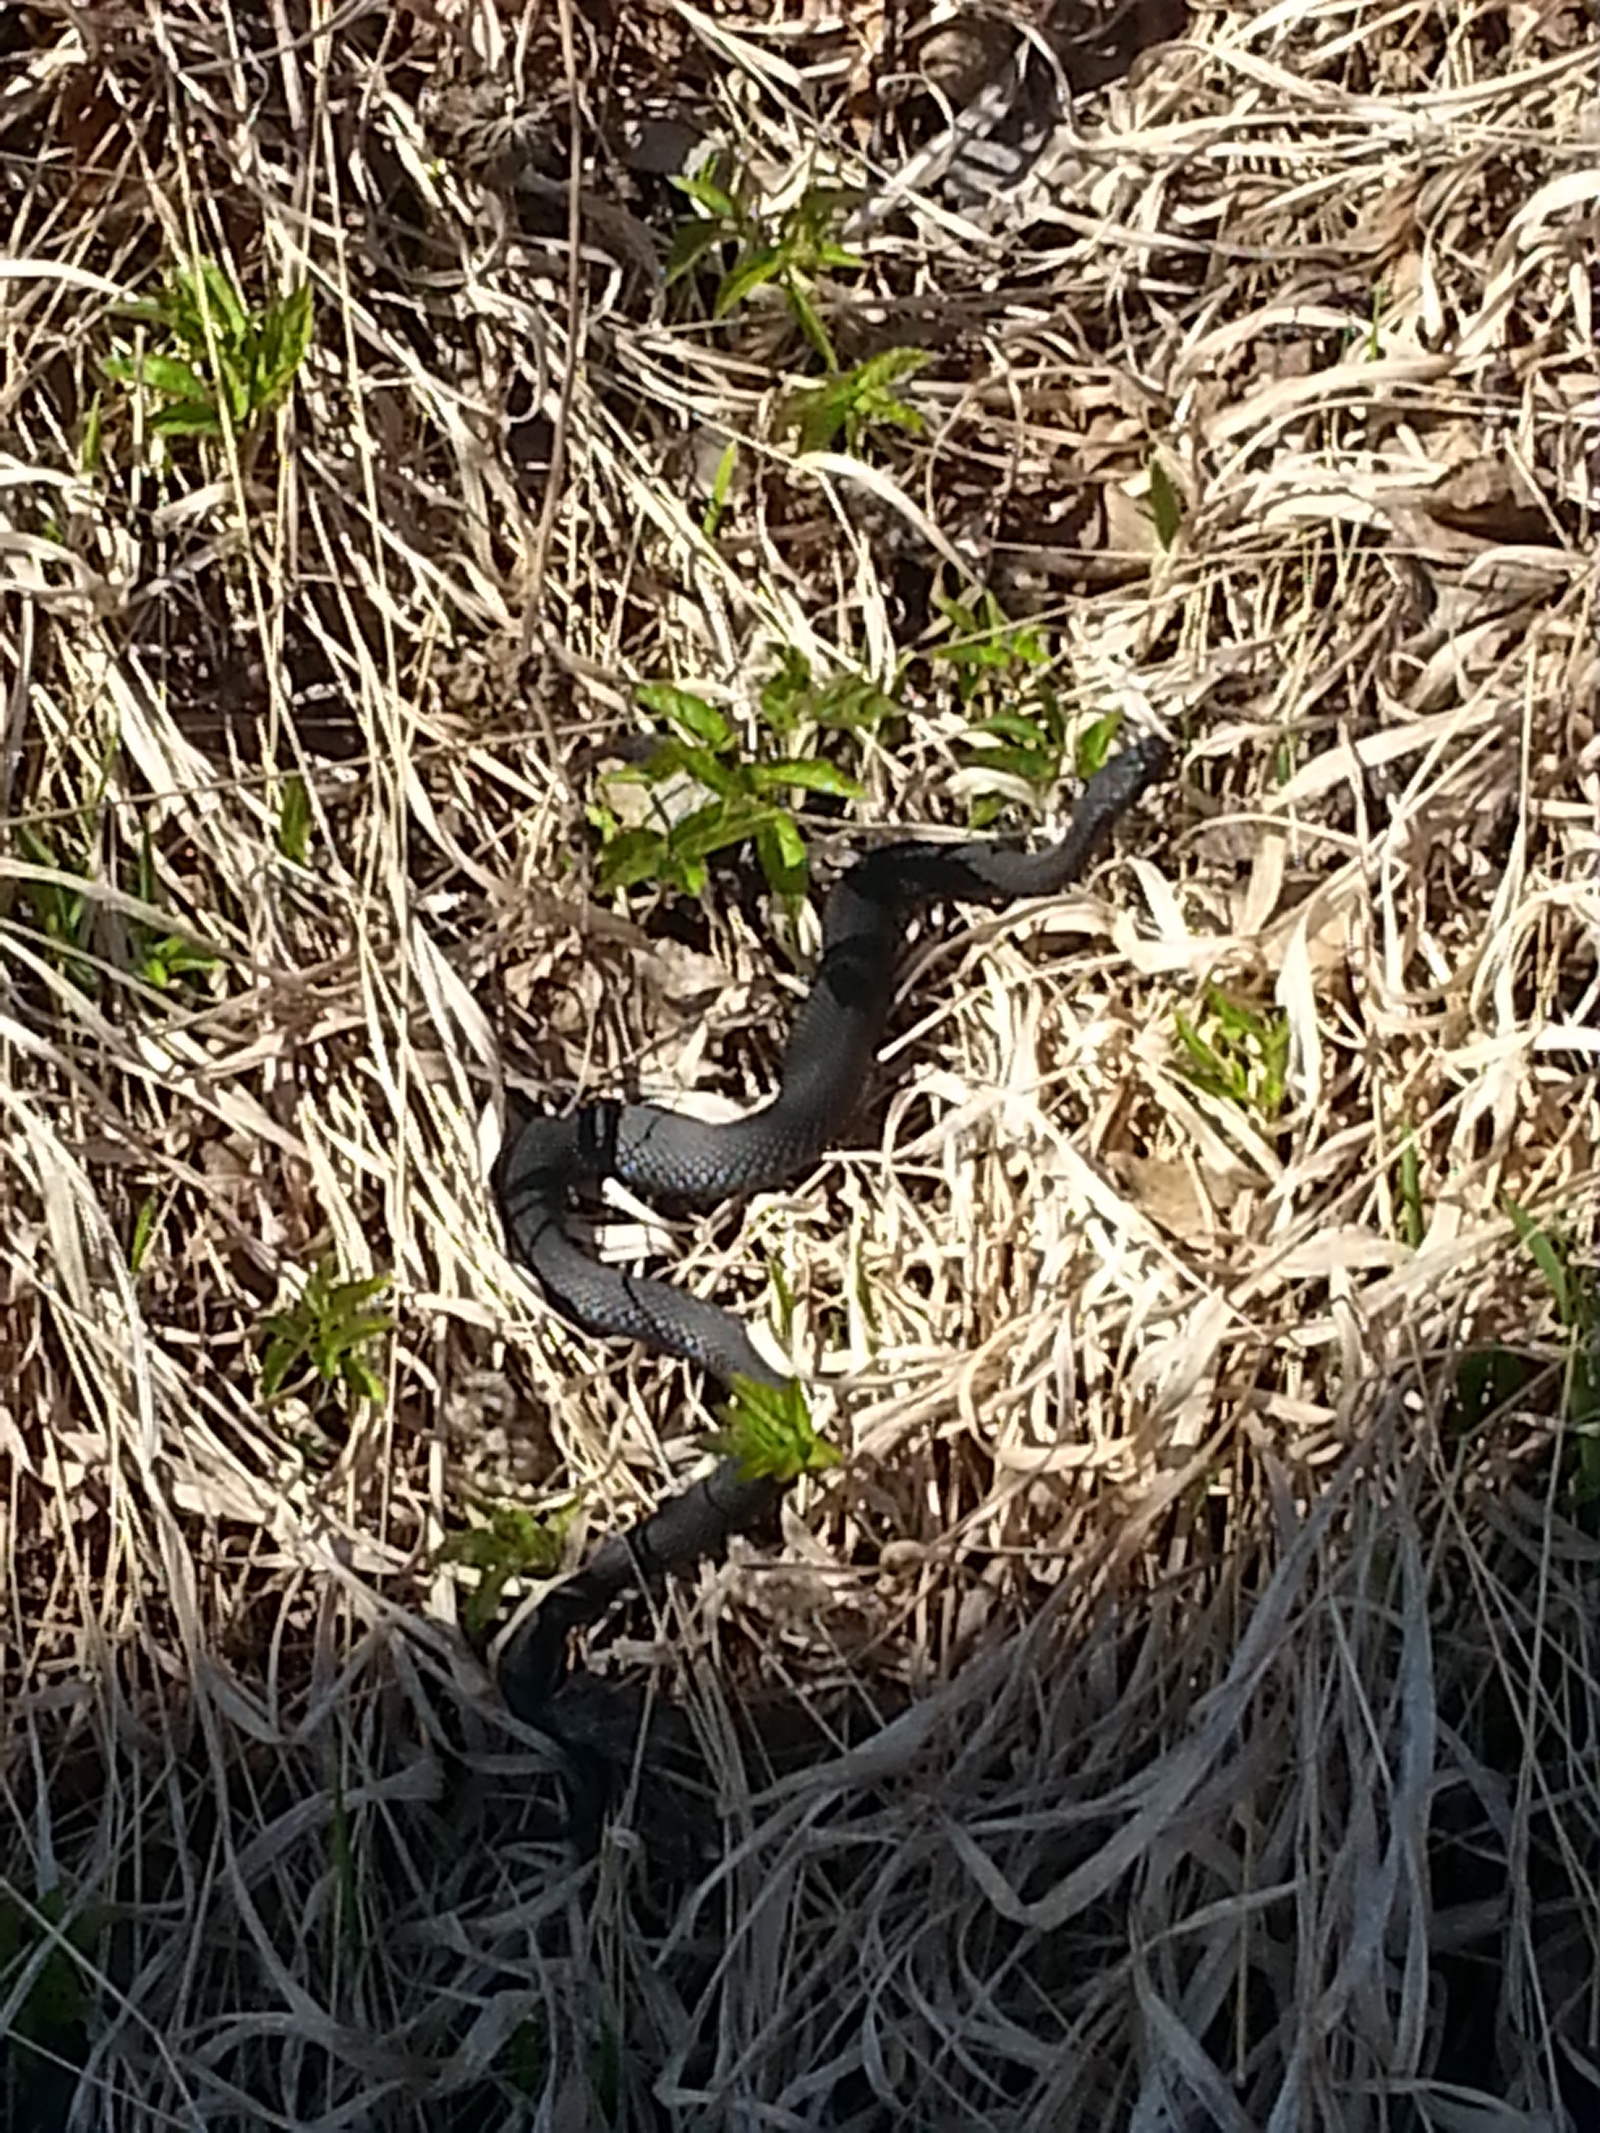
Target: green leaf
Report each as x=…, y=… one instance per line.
x=744, y=277
x=1010, y=726
x=1032, y=765
x=853, y=704
x=90, y=453
x=817, y=416
x=350, y=1295
x=1166, y=505
x=809, y=320
x=704, y=191
x=144, y=1230
x=674, y=757
x=630, y=857
x=700, y=720
x=713, y=828
x=285, y=342
x=1413, y=1225
x=721, y=486
x=1094, y=743
x=782, y=852
x=783, y=697
x=808, y=773
x=361, y=1379
x=190, y=418
x=230, y=319
x=690, y=243
x=279, y=1359
x=769, y=1431
x=294, y=820
x=1546, y=1255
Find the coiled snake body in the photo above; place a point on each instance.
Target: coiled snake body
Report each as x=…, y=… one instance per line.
x=662, y=1154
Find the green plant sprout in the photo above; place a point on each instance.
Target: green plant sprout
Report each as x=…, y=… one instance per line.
x=66, y=917
x=854, y=402
x=792, y=252
x=845, y=703
x=241, y=368
x=59, y=914
x=324, y=1339
x=1018, y=730
x=987, y=652
x=1242, y=1054
x=768, y=1429
x=721, y=489
x=163, y=959
x=513, y=1543
x=747, y=799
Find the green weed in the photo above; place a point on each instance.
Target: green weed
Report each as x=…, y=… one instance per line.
x=748, y=799
x=845, y=703
x=163, y=959
x=721, y=489
x=1018, y=729
x=514, y=1543
x=60, y=915
x=151, y=1213
x=325, y=1339
x=67, y=918
x=768, y=1429
x=1241, y=1054
x=852, y=402
x=209, y=357
x=792, y=252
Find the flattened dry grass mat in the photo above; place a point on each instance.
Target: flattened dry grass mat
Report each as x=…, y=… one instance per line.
x=498, y=502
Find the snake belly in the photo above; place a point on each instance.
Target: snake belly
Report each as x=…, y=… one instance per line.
x=660, y=1154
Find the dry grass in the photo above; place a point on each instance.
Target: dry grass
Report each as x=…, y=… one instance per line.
x=1183, y=1711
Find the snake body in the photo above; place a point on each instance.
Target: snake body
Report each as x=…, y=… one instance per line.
x=662, y=1154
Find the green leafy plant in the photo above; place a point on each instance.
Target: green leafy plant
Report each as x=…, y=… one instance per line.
x=747, y=799
x=1575, y=1296
x=793, y=698
x=852, y=402
x=61, y=915
x=1019, y=731
x=987, y=653
x=769, y=1430
x=1241, y=1054
x=66, y=917
x=209, y=357
x=325, y=1339
x=163, y=959
x=792, y=251
x=513, y=1543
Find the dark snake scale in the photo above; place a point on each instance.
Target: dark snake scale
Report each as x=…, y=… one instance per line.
x=660, y=1154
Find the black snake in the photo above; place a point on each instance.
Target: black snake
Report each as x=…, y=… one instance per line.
x=662, y=1154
